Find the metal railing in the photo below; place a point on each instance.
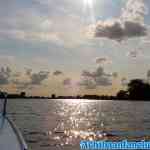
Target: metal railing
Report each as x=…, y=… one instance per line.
x=3, y=111
x=3, y=103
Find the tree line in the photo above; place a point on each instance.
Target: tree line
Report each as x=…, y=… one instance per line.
x=137, y=89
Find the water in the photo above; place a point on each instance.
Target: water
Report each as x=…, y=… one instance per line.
x=61, y=124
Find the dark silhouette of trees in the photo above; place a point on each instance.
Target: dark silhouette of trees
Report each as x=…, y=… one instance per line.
x=138, y=90
x=53, y=96
x=122, y=95
x=23, y=94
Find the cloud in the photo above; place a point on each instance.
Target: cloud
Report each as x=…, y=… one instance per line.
x=145, y=41
x=134, y=53
x=7, y=59
x=32, y=79
x=148, y=74
x=17, y=74
x=102, y=60
x=22, y=80
x=129, y=25
x=86, y=73
x=124, y=81
x=5, y=74
x=34, y=22
x=115, y=74
x=119, y=31
x=103, y=81
x=67, y=82
x=88, y=84
x=38, y=78
x=27, y=24
x=22, y=84
x=28, y=71
x=134, y=10
x=57, y=73
x=91, y=80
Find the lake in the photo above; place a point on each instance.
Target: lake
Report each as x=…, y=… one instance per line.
x=61, y=124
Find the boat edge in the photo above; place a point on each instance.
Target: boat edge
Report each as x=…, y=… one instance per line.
x=18, y=134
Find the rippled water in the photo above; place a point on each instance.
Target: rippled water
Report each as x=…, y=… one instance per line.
x=61, y=124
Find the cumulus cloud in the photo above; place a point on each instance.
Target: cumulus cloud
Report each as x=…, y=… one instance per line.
x=17, y=74
x=135, y=10
x=91, y=80
x=22, y=84
x=22, y=80
x=57, y=73
x=5, y=74
x=129, y=25
x=67, y=82
x=26, y=24
x=146, y=42
x=35, y=80
x=27, y=79
x=134, y=53
x=86, y=73
x=102, y=60
x=124, y=81
x=29, y=24
x=148, y=75
x=117, y=30
x=38, y=78
x=28, y=71
x=115, y=74
x=88, y=84
x=8, y=59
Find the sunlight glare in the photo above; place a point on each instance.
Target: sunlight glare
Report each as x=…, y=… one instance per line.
x=88, y=2
x=89, y=5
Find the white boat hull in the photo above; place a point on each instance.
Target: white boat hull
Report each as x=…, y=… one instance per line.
x=10, y=136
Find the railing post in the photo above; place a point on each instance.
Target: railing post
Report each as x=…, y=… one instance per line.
x=5, y=104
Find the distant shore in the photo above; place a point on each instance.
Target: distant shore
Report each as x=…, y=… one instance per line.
x=136, y=90
x=85, y=97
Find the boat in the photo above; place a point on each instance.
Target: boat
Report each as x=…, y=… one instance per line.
x=10, y=136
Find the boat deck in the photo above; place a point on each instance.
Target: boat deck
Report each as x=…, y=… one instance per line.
x=8, y=136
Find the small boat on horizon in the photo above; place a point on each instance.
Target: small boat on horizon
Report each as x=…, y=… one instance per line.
x=10, y=135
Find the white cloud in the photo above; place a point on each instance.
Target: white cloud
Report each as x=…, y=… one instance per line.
x=134, y=53
x=57, y=73
x=32, y=79
x=119, y=31
x=129, y=25
x=135, y=10
x=22, y=80
x=148, y=74
x=124, y=81
x=67, y=82
x=103, y=60
x=91, y=80
x=88, y=84
x=38, y=78
x=5, y=74
x=7, y=59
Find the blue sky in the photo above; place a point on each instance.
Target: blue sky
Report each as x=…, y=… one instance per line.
x=91, y=44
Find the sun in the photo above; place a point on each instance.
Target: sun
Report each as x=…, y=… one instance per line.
x=89, y=6
x=88, y=2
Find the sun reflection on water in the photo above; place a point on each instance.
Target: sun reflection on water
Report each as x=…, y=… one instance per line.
x=79, y=120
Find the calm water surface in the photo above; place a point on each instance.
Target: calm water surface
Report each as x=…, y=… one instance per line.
x=61, y=124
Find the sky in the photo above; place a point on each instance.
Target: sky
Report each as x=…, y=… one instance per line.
x=71, y=47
